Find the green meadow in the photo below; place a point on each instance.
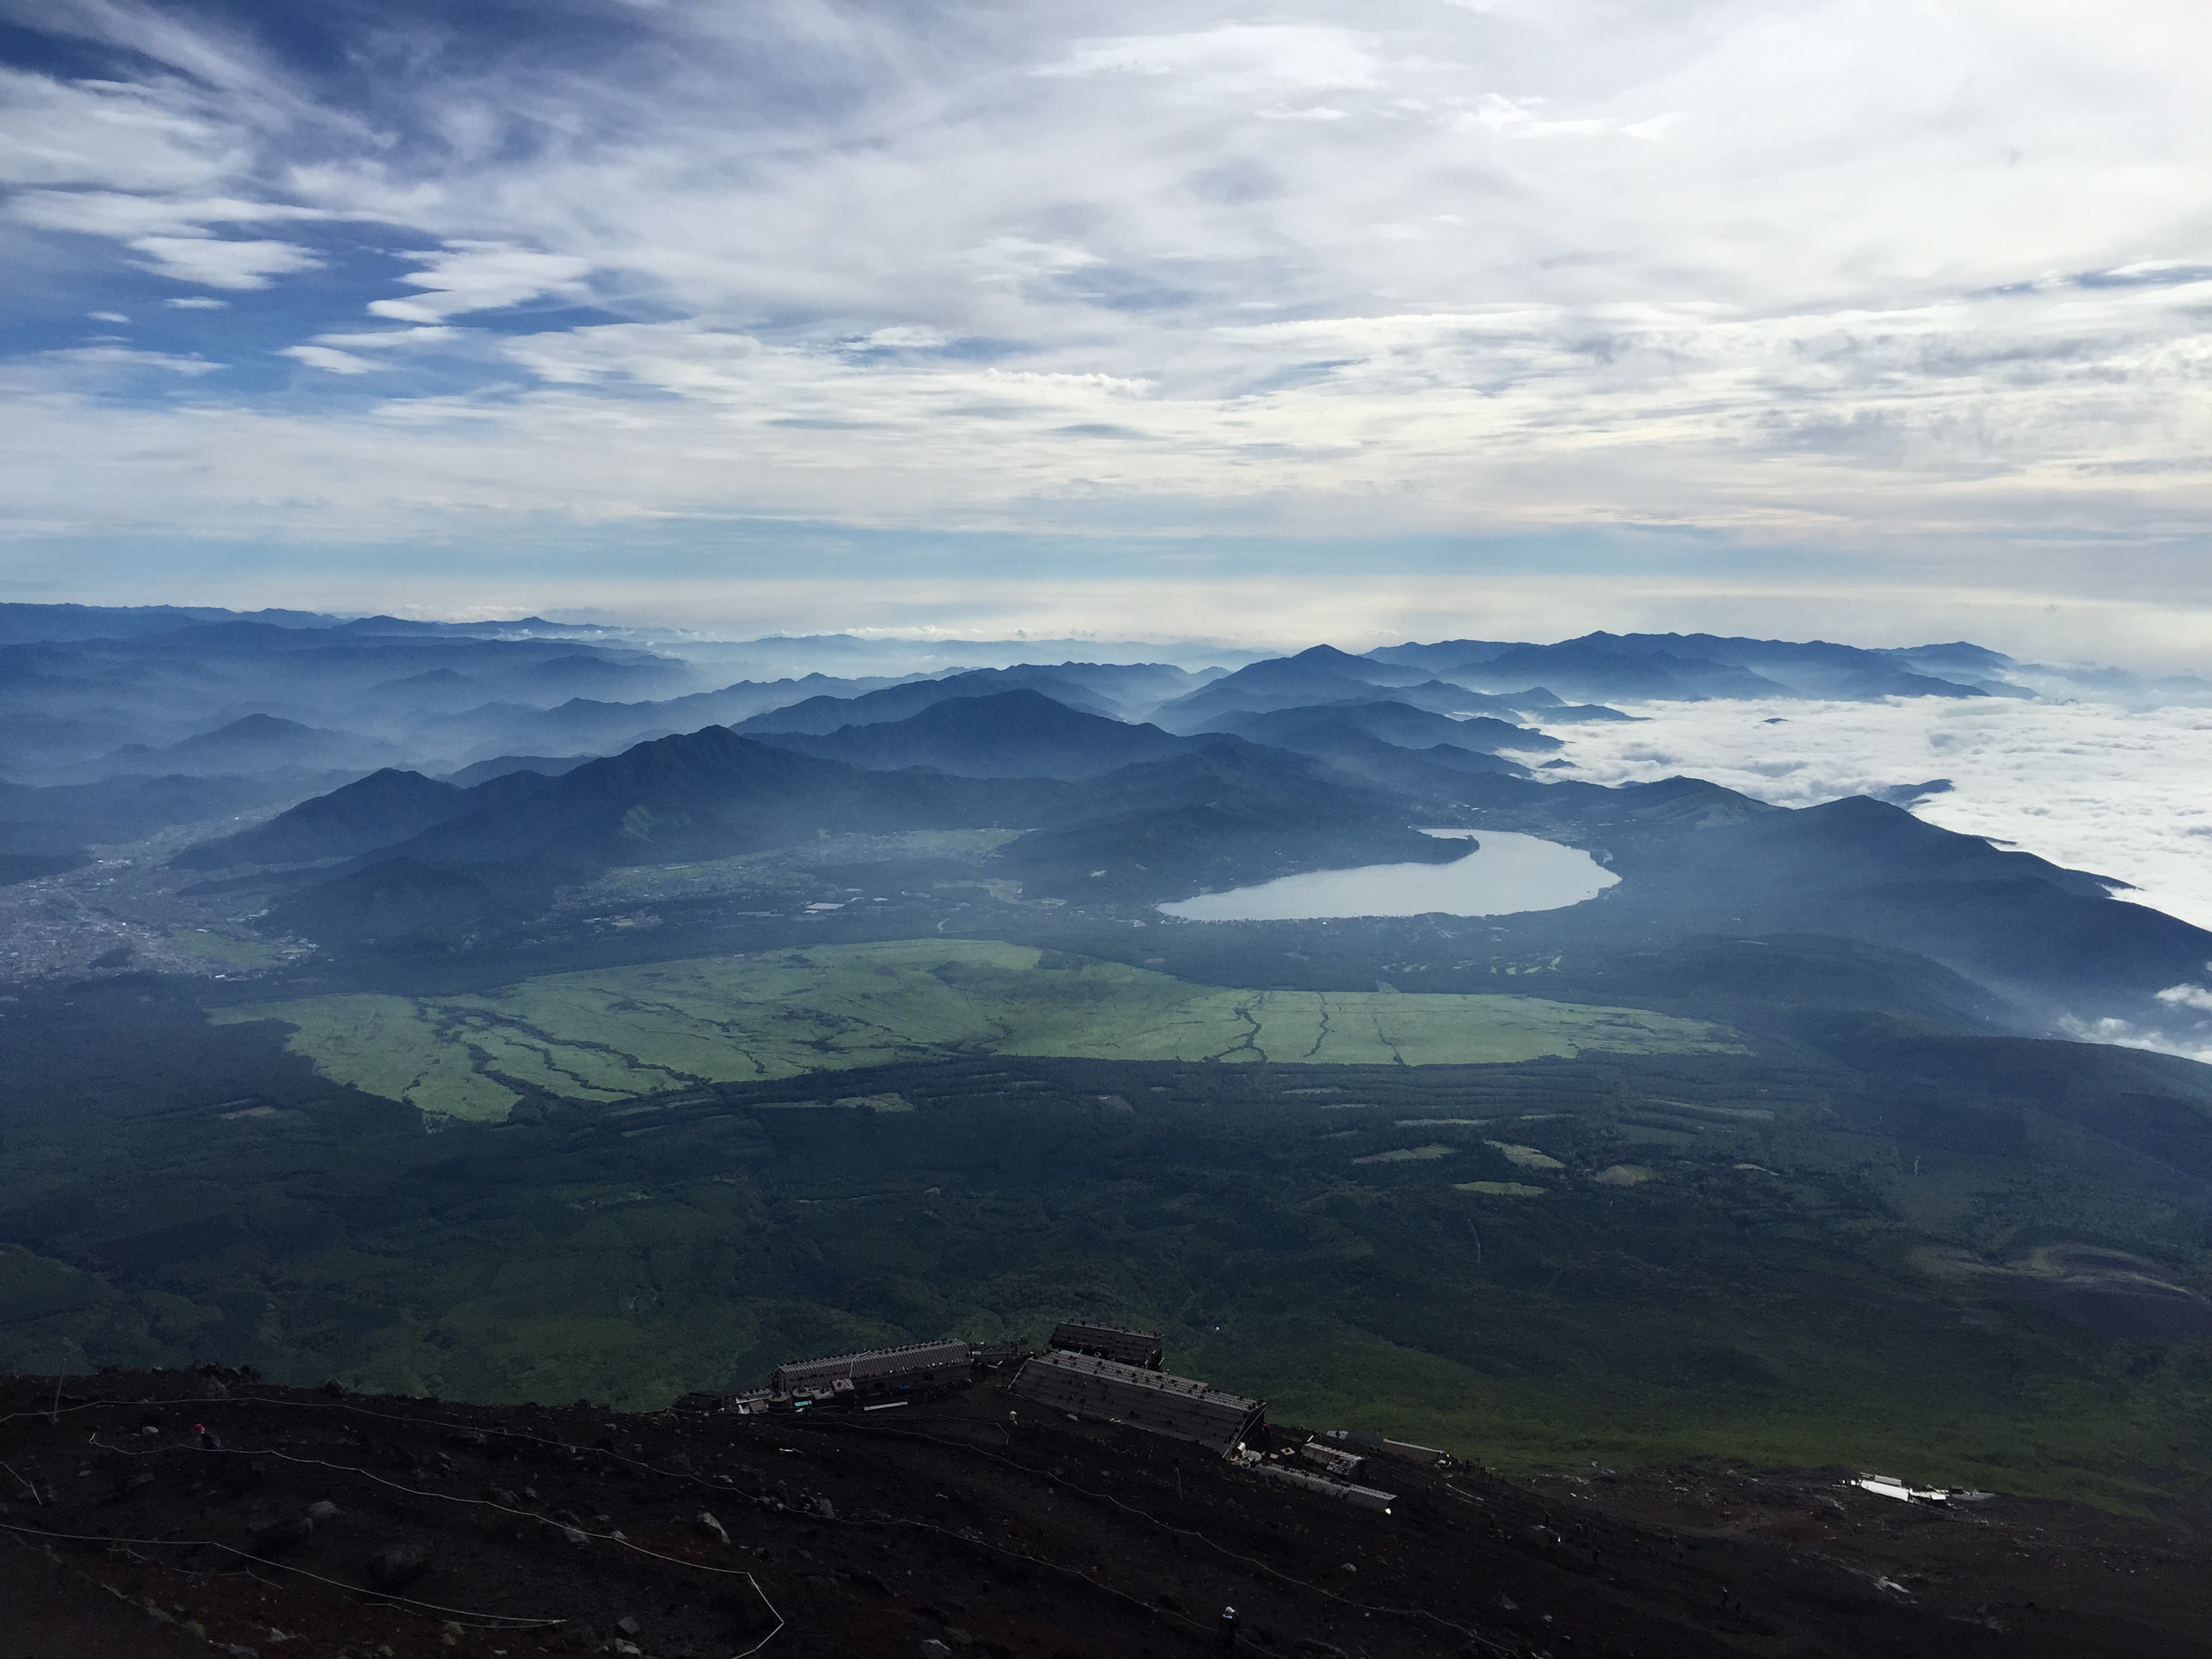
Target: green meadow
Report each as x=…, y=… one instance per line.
x=612, y=1034
x=1972, y=1262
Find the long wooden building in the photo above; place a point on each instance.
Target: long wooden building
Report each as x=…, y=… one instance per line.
x=1085, y=1385
x=1143, y=1349
x=876, y=1371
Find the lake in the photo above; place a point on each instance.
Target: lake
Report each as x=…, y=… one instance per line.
x=1505, y=874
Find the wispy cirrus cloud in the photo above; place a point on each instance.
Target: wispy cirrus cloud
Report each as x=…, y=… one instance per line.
x=112, y=136
x=466, y=276
x=124, y=215
x=105, y=359
x=332, y=359
x=1796, y=279
x=1235, y=61
x=218, y=262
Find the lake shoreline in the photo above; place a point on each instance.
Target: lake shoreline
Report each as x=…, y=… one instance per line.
x=1505, y=874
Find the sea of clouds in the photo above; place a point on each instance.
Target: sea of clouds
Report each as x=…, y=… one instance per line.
x=2122, y=792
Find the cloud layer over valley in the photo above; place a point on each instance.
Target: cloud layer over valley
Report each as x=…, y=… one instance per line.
x=2122, y=792
x=2126, y=793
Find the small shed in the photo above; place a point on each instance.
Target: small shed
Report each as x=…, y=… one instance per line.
x=1086, y=1386
x=1337, y=1464
x=1143, y=1349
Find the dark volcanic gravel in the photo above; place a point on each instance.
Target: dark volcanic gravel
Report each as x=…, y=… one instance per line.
x=316, y=1523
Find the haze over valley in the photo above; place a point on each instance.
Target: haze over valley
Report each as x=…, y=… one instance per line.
x=290, y=866
x=1105, y=832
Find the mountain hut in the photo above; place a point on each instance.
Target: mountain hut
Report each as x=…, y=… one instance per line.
x=1143, y=1349
x=877, y=1370
x=1084, y=1385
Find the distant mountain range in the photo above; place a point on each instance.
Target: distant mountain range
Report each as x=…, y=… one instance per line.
x=1009, y=734
x=714, y=793
x=251, y=743
x=1106, y=689
x=278, y=703
x=86, y=691
x=382, y=809
x=1380, y=720
x=1102, y=810
x=1670, y=667
x=1774, y=1128
x=24, y=623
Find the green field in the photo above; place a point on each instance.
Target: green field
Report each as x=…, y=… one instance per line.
x=616, y=1033
x=240, y=953
x=1971, y=1261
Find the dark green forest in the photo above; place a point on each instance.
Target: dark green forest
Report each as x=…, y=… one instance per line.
x=1973, y=1258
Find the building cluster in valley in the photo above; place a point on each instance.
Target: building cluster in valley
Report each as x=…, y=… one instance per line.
x=1096, y=1373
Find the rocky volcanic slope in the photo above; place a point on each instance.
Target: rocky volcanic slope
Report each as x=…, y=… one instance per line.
x=321, y=1524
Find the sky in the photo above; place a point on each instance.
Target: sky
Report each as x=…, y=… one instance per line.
x=1874, y=320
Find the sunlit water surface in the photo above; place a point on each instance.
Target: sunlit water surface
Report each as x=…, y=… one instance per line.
x=1506, y=874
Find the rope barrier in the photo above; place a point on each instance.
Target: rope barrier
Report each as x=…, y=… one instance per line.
x=472, y=1502
x=209, y=1406
x=881, y=1429
x=483, y=1620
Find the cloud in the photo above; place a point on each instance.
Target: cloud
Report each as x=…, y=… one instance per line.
x=347, y=353
x=153, y=135
x=1231, y=60
x=391, y=339
x=196, y=302
x=2188, y=996
x=1746, y=277
x=219, y=264
x=116, y=214
x=466, y=276
x=2118, y=791
x=207, y=53
x=1526, y=117
x=2127, y=1033
x=332, y=359
x=108, y=316
x=111, y=357
x=903, y=336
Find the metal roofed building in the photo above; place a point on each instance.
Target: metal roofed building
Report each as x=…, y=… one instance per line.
x=1087, y=1386
x=1125, y=1347
x=1376, y=1443
x=877, y=1370
x=1360, y=1497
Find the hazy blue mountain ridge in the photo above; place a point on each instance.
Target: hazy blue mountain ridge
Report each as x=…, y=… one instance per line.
x=1008, y=734
x=702, y=794
x=1666, y=666
x=378, y=811
x=1590, y=671
x=1399, y=724
x=1697, y=860
x=819, y=716
x=499, y=766
x=253, y=742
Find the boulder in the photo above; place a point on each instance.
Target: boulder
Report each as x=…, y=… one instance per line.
x=398, y=1564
